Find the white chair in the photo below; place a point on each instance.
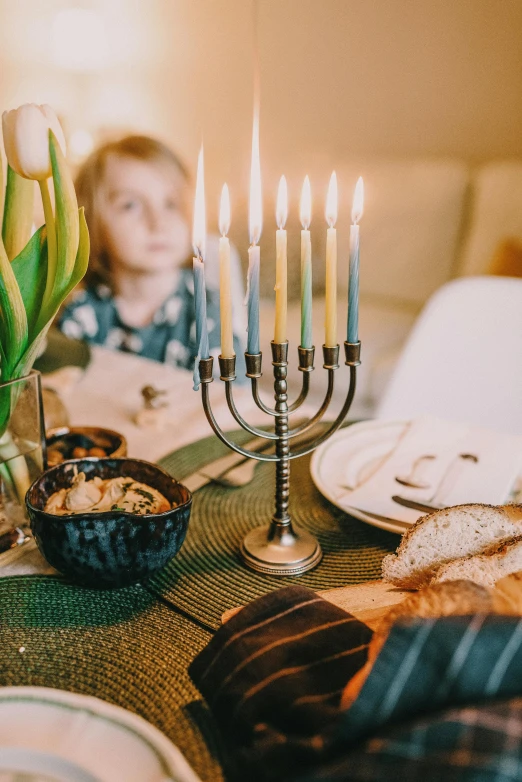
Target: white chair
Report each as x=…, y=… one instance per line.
x=463, y=358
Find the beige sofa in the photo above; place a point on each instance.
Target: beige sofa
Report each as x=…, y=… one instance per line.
x=424, y=223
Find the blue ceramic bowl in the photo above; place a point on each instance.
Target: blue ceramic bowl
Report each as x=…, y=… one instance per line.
x=111, y=548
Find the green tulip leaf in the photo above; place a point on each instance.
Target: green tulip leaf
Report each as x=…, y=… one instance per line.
x=26, y=361
x=14, y=332
x=66, y=215
x=30, y=268
x=18, y=213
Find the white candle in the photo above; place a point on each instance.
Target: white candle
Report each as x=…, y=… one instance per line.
x=281, y=263
x=306, y=265
x=330, y=338
x=225, y=295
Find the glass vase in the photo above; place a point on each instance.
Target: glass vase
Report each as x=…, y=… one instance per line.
x=22, y=446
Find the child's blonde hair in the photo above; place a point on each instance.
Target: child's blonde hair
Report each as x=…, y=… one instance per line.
x=90, y=177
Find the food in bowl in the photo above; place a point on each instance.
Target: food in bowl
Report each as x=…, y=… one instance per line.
x=113, y=547
x=80, y=442
x=96, y=495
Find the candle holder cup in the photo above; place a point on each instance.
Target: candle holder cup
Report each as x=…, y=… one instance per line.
x=279, y=547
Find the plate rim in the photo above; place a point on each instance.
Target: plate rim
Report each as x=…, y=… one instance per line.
x=372, y=423
x=171, y=758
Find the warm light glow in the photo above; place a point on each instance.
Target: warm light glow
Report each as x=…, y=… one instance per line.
x=199, y=231
x=331, y=201
x=79, y=40
x=305, y=208
x=224, y=211
x=358, y=201
x=282, y=203
x=81, y=143
x=255, y=216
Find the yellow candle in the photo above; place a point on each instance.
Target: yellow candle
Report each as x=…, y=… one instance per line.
x=281, y=263
x=225, y=296
x=330, y=338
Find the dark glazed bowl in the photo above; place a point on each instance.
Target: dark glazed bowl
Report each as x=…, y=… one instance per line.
x=111, y=548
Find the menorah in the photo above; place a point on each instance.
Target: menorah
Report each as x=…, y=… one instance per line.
x=280, y=548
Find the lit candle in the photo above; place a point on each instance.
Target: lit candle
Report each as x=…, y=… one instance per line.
x=255, y=226
x=330, y=339
x=281, y=262
x=199, y=244
x=353, y=280
x=225, y=296
x=305, y=213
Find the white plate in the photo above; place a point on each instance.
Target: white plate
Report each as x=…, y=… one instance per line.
x=49, y=735
x=349, y=458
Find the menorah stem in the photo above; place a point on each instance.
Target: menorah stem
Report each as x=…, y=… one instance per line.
x=280, y=548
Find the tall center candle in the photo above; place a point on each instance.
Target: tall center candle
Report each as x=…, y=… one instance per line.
x=330, y=338
x=353, y=280
x=200, y=294
x=306, y=266
x=281, y=285
x=225, y=295
x=255, y=226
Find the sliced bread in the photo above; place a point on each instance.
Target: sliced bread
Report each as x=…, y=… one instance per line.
x=497, y=561
x=449, y=534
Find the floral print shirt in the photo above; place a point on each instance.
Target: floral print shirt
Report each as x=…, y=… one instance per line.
x=170, y=338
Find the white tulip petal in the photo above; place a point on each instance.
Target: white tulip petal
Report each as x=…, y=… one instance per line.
x=54, y=124
x=8, y=129
x=32, y=142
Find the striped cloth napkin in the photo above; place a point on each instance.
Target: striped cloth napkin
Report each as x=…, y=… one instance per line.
x=443, y=700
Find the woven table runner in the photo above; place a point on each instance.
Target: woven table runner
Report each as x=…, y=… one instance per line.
x=122, y=646
x=207, y=578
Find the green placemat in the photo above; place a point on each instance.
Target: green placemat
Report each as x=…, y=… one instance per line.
x=122, y=646
x=207, y=578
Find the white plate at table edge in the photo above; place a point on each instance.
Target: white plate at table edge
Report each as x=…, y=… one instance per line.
x=167, y=753
x=348, y=432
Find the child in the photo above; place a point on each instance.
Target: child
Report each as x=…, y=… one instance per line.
x=139, y=294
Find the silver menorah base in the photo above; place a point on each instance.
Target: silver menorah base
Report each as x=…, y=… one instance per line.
x=279, y=548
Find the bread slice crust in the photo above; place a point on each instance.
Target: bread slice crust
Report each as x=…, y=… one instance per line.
x=446, y=535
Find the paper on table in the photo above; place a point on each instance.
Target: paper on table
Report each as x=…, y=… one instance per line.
x=442, y=463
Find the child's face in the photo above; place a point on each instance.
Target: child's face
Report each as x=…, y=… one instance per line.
x=143, y=218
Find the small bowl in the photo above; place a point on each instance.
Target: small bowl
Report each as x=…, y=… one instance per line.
x=111, y=548
x=65, y=439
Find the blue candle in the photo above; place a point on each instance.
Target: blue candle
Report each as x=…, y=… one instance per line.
x=255, y=225
x=200, y=293
x=306, y=266
x=353, y=280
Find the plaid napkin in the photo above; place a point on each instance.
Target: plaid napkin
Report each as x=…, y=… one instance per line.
x=442, y=700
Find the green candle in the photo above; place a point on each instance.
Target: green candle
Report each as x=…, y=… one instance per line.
x=306, y=266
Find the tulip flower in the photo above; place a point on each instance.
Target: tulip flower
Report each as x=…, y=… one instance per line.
x=34, y=283
x=26, y=139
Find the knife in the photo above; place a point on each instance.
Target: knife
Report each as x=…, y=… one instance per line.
x=208, y=472
x=416, y=505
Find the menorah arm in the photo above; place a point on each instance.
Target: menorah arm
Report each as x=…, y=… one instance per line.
x=257, y=399
x=263, y=457
x=335, y=425
x=322, y=410
x=241, y=421
x=302, y=396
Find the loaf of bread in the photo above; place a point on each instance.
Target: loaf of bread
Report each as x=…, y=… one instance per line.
x=497, y=561
x=447, y=535
x=449, y=598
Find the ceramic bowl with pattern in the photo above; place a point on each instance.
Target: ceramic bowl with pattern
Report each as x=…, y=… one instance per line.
x=113, y=548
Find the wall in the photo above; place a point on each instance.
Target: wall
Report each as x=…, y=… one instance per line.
x=341, y=80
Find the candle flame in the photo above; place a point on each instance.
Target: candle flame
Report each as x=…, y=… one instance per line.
x=282, y=203
x=199, y=230
x=331, y=201
x=358, y=201
x=305, y=209
x=255, y=220
x=224, y=211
